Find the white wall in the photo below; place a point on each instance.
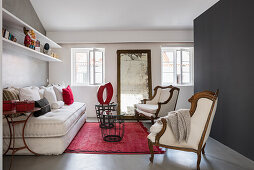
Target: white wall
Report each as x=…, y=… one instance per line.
x=122, y=36
x=61, y=72
x=1, y=123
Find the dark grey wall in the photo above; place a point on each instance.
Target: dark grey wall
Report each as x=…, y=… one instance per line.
x=224, y=59
x=20, y=70
x=24, y=10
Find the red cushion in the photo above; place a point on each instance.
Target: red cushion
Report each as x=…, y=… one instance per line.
x=68, y=96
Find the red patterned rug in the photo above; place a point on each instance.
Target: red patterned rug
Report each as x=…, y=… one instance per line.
x=89, y=140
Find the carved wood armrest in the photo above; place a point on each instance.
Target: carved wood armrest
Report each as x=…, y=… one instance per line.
x=158, y=136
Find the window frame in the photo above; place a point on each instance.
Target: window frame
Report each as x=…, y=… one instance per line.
x=174, y=50
x=73, y=65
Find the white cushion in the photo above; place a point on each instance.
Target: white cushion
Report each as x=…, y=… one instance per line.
x=145, y=113
x=50, y=95
x=55, y=123
x=59, y=92
x=150, y=108
x=41, y=92
x=57, y=105
x=29, y=93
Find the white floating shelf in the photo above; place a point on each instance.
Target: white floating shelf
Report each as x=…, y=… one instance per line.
x=16, y=48
x=14, y=22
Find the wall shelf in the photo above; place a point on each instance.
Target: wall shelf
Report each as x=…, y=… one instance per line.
x=15, y=25
x=15, y=48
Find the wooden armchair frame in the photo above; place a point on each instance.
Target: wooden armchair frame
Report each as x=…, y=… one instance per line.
x=138, y=115
x=201, y=148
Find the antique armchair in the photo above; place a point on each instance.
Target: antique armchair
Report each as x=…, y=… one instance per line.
x=163, y=101
x=203, y=108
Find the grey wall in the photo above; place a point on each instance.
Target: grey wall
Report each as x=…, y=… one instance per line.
x=223, y=38
x=20, y=70
x=24, y=10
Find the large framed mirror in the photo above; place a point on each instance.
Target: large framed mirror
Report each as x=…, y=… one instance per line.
x=134, y=81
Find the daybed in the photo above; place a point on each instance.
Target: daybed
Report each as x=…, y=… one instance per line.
x=49, y=134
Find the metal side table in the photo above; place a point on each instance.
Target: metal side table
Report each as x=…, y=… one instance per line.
x=11, y=123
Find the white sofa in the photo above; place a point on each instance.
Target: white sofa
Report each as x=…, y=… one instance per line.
x=49, y=134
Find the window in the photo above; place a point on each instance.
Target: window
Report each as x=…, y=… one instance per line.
x=176, y=66
x=87, y=66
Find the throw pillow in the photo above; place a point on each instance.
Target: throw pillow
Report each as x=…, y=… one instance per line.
x=57, y=105
x=10, y=94
x=29, y=93
x=59, y=92
x=68, y=96
x=50, y=95
x=44, y=105
x=41, y=92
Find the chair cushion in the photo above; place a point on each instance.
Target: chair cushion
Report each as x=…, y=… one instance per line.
x=149, y=108
x=145, y=113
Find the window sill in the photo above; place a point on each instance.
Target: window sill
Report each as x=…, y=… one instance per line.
x=179, y=85
x=184, y=85
x=96, y=85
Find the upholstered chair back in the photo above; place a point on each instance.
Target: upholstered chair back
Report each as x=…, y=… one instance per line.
x=201, y=108
x=168, y=100
x=156, y=98
x=164, y=94
x=210, y=122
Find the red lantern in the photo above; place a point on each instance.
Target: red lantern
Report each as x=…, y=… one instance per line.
x=109, y=90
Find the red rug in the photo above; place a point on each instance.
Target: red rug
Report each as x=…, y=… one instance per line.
x=89, y=140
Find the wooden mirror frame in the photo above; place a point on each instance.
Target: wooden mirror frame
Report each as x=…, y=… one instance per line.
x=119, y=52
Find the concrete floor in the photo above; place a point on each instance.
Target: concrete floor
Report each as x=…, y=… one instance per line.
x=218, y=156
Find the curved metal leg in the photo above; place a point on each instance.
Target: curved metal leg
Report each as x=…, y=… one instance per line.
x=13, y=142
x=9, y=124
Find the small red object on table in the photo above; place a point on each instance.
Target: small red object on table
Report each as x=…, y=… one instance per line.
x=24, y=106
x=11, y=123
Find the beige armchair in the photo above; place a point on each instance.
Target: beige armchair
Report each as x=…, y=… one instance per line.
x=163, y=101
x=203, y=108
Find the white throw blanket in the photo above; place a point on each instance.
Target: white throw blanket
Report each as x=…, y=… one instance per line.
x=179, y=122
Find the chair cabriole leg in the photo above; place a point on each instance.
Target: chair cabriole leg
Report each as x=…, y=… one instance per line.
x=150, y=144
x=137, y=116
x=198, y=159
x=152, y=120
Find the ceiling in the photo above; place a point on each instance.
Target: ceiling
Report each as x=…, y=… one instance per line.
x=93, y=15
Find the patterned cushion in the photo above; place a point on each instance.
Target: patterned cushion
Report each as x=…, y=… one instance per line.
x=10, y=94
